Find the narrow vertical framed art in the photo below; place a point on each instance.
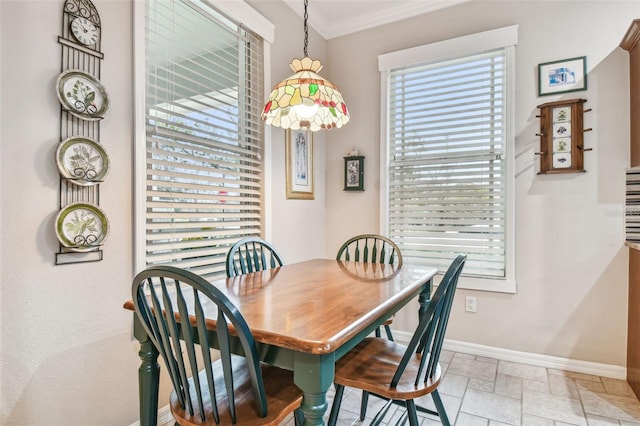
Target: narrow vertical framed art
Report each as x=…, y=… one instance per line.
x=299, y=164
x=354, y=173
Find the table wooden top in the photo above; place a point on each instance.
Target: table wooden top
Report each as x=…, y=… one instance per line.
x=318, y=305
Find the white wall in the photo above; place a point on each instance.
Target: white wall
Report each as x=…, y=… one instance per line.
x=570, y=258
x=67, y=355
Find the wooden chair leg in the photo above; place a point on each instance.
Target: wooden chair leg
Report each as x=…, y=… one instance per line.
x=440, y=407
x=363, y=405
x=335, y=407
x=387, y=329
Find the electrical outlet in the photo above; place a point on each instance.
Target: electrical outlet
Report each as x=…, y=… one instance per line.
x=470, y=304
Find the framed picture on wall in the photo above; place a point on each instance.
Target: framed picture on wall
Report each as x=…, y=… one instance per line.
x=567, y=75
x=299, y=164
x=354, y=173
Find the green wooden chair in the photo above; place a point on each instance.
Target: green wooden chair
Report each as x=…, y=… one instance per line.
x=251, y=254
x=372, y=248
x=401, y=374
x=231, y=390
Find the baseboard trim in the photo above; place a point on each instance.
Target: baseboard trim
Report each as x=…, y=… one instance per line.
x=547, y=361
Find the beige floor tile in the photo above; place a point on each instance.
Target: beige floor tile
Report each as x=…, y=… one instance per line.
x=574, y=375
x=563, y=386
x=492, y=406
x=536, y=386
x=465, y=419
x=601, y=421
x=483, y=385
x=454, y=385
x=463, y=355
x=554, y=407
x=445, y=356
x=529, y=420
x=618, y=387
x=508, y=386
x=610, y=406
x=523, y=370
x=591, y=385
x=485, y=359
x=471, y=368
x=444, y=366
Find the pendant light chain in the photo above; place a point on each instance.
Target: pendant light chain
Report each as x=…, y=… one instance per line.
x=306, y=28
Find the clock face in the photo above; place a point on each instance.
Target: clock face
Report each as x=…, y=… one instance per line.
x=84, y=31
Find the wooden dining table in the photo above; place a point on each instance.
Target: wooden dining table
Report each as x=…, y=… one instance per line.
x=304, y=316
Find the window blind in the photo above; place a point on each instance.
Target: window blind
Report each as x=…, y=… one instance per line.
x=446, y=167
x=204, y=135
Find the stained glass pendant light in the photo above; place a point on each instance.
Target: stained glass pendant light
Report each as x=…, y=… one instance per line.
x=305, y=100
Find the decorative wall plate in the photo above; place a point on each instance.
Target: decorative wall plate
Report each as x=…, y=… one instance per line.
x=82, y=160
x=81, y=227
x=82, y=95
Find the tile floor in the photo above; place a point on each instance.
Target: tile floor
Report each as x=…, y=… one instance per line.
x=487, y=392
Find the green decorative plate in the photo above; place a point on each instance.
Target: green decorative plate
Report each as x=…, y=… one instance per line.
x=82, y=160
x=81, y=227
x=82, y=95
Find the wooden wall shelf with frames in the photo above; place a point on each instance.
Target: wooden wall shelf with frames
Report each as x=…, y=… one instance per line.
x=562, y=136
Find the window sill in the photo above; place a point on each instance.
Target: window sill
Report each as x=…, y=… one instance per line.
x=484, y=284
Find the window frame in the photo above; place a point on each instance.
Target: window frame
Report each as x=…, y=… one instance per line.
x=239, y=11
x=507, y=38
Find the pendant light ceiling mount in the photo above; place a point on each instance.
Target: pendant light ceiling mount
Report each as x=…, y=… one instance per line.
x=305, y=100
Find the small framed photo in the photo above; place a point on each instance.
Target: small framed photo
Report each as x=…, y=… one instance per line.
x=567, y=75
x=354, y=173
x=299, y=159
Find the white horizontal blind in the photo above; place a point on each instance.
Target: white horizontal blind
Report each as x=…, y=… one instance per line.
x=446, y=177
x=204, y=135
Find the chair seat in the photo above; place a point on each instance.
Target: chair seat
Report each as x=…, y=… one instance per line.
x=370, y=366
x=283, y=397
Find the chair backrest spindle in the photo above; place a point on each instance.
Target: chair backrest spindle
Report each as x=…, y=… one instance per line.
x=251, y=254
x=370, y=248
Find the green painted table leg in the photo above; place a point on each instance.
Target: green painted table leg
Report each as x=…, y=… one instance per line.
x=148, y=376
x=424, y=298
x=314, y=374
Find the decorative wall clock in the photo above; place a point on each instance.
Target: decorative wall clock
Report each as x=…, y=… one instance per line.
x=84, y=31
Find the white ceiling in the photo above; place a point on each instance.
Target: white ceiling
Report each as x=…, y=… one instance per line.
x=334, y=18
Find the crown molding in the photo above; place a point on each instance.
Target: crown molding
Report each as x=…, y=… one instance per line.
x=362, y=15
